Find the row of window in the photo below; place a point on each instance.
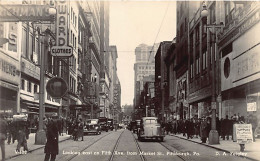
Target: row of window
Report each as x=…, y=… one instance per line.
x=145, y=67
x=203, y=60
x=72, y=85
x=73, y=17
x=29, y=86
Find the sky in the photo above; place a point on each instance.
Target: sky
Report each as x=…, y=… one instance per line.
x=133, y=23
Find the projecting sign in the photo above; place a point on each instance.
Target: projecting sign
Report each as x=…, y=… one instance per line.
x=62, y=51
x=56, y=87
x=21, y=12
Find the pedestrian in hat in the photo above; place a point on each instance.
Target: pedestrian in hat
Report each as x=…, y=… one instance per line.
x=204, y=130
x=51, y=147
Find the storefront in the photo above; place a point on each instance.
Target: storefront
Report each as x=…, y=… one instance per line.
x=182, y=105
x=240, y=73
x=9, y=81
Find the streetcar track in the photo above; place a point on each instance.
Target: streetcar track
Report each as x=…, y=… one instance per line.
x=139, y=149
x=144, y=159
x=115, y=147
x=180, y=156
x=75, y=155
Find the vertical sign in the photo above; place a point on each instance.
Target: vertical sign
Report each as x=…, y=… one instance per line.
x=62, y=49
x=62, y=21
x=12, y=36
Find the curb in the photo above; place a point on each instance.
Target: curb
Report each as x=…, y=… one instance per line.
x=42, y=146
x=215, y=148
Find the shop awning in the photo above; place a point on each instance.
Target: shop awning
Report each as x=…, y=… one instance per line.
x=29, y=105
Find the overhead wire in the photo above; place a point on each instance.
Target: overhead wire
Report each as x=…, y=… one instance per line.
x=157, y=34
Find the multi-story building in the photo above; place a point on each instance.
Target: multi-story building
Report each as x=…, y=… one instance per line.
x=236, y=77
x=170, y=90
x=199, y=67
x=144, y=66
x=238, y=49
x=25, y=47
x=20, y=61
x=160, y=80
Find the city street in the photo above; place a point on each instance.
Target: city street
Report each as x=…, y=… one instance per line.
x=123, y=145
x=149, y=80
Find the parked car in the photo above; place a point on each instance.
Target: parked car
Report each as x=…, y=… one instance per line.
x=150, y=129
x=136, y=126
x=92, y=127
x=103, y=123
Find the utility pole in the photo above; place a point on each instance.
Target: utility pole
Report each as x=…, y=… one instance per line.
x=40, y=137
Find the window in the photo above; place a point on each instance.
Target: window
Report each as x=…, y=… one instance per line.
x=22, y=84
x=29, y=87
x=197, y=65
x=197, y=34
x=213, y=13
x=30, y=47
x=150, y=121
x=191, y=70
x=204, y=60
x=35, y=88
x=229, y=11
x=24, y=43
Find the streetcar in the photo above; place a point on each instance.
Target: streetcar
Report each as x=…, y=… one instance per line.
x=150, y=129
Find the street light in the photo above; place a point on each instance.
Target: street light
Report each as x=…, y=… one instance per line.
x=147, y=106
x=105, y=96
x=213, y=135
x=40, y=137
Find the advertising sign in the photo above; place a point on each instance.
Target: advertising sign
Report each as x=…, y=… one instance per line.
x=62, y=49
x=243, y=133
x=251, y=106
x=9, y=69
x=22, y=12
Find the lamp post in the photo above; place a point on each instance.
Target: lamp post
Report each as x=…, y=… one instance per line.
x=40, y=137
x=105, y=97
x=213, y=135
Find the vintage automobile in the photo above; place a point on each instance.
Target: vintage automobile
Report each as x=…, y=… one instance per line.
x=92, y=127
x=136, y=126
x=103, y=123
x=110, y=124
x=150, y=129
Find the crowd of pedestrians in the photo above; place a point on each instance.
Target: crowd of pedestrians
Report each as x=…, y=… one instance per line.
x=200, y=127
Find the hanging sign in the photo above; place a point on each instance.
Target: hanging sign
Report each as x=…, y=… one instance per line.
x=62, y=49
x=24, y=12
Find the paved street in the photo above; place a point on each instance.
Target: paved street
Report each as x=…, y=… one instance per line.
x=122, y=145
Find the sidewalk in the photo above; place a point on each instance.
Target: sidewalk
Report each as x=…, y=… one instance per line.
x=252, y=150
x=10, y=149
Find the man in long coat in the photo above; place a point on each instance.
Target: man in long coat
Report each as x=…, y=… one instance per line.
x=51, y=147
x=204, y=130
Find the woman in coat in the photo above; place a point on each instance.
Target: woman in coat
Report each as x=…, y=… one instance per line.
x=51, y=147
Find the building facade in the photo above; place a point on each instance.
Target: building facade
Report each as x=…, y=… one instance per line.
x=144, y=66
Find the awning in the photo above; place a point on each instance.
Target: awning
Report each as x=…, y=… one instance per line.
x=27, y=104
x=51, y=106
x=80, y=107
